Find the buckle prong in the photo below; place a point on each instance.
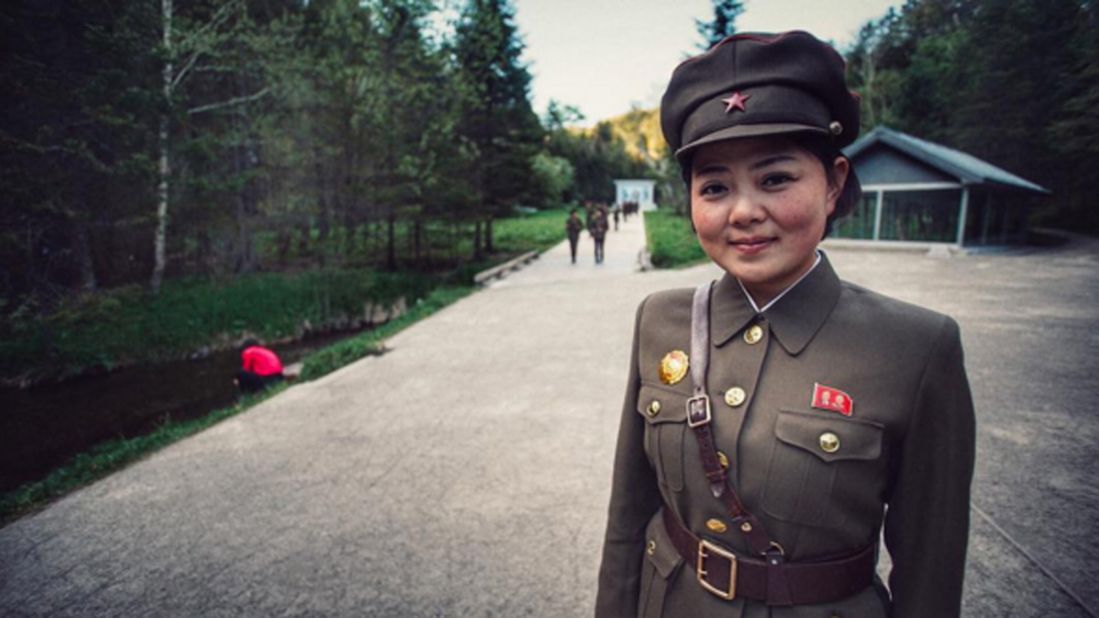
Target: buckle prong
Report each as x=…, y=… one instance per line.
x=706, y=550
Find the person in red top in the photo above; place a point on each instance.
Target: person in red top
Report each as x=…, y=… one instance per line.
x=260, y=367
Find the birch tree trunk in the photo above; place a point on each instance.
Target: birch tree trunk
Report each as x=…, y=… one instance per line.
x=160, y=236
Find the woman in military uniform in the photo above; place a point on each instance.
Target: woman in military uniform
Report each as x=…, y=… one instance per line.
x=777, y=420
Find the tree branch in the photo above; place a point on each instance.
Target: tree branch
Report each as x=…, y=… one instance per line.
x=185, y=69
x=197, y=51
x=216, y=20
x=230, y=102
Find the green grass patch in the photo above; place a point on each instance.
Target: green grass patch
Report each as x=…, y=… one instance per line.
x=671, y=242
x=536, y=231
x=128, y=325
x=369, y=343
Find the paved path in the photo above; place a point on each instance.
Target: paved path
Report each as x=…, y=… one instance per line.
x=466, y=471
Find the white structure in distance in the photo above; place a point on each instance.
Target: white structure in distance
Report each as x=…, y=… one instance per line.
x=638, y=190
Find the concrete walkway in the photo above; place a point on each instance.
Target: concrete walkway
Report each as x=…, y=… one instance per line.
x=466, y=471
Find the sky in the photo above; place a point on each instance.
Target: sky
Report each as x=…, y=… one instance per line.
x=603, y=56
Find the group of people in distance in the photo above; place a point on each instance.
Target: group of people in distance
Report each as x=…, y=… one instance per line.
x=597, y=219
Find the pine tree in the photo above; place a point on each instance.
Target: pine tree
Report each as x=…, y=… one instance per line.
x=722, y=25
x=75, y=139
x=498, y=122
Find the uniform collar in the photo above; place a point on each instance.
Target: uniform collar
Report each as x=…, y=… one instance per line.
x=794, y=319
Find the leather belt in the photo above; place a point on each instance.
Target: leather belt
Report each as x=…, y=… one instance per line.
x=729, y=576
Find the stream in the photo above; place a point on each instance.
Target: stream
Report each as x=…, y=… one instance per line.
x=43, y=426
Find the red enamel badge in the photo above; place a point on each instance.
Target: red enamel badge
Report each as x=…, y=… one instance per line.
x=832, y=399
x=735, y=101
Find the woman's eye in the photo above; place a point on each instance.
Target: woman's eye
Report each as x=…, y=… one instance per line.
x=712, y=189
x=776, y=180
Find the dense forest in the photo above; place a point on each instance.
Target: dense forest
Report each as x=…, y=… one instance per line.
x=148, y=140
x=1014, y=82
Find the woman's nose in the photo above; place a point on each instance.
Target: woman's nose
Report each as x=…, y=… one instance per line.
x=746, y=210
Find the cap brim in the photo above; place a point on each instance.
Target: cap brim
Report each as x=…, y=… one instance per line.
x=748, y=130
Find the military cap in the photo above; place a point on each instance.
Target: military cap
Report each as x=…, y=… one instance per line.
x=759, y=84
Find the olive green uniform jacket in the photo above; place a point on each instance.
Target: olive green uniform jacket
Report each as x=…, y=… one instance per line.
x=908, y=445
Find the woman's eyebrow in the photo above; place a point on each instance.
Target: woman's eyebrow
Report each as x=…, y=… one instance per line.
x=711, y=168
x=771, y=161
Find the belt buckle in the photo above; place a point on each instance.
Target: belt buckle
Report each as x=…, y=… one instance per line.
x=706, y=550
x=698, y=410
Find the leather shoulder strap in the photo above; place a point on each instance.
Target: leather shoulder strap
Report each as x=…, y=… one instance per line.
x=699, y=417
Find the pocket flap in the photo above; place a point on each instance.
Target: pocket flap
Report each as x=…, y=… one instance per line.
x=850, y=438
x=662, y=405
x=658, y=547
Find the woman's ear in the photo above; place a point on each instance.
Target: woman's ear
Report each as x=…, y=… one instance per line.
x=841, y=167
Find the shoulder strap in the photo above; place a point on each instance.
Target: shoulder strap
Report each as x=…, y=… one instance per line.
x=699, y=417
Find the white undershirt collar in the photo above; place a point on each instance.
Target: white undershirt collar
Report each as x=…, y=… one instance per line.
x=781, y=294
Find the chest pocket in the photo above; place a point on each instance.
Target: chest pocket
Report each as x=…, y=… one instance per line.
x=817, y=461
x=665, y=413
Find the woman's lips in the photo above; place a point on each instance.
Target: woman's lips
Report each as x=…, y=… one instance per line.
x=753, y=245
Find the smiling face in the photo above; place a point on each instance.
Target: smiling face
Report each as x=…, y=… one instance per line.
x=759, y=206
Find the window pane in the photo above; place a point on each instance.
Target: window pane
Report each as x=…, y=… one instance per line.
x=859, y=223
x=920, y=215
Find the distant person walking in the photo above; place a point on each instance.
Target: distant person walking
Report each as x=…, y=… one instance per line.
x=573, y=225
x=260, y=368
x=617, y=214
x=597, y=227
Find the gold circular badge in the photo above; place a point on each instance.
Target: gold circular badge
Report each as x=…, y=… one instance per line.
x=673, y=366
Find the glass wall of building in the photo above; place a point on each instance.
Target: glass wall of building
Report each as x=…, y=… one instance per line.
x=929, y=216
x=996, y=219
x=859, y=223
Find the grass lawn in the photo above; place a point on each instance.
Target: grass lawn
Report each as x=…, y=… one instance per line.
x=537, y=231
x=671, y=242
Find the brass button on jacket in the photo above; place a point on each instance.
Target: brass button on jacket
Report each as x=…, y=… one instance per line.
x=735, y=396
x=753, y=335
x=829, y=442
x=654, y=407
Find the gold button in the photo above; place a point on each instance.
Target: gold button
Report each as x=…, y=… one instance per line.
x=829, y=442
x=753, y=334
x=650, y=548
x=654, y=407
x=745, y=527
x=735, y=396
x=723, y=460
x=716, y=525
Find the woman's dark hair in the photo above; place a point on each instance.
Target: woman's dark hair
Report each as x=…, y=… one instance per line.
x=826, y=152
x=248, y=343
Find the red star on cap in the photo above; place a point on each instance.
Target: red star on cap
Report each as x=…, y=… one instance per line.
x=736, y=101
